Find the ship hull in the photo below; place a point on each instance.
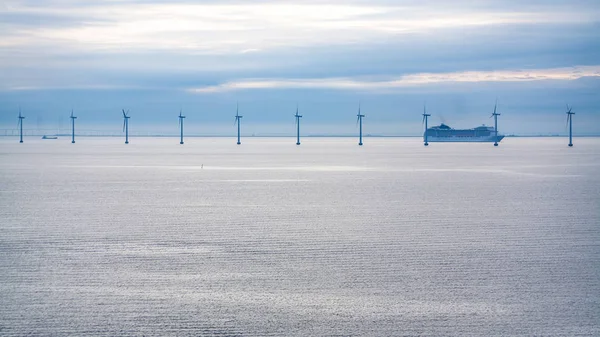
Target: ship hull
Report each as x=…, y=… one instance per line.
x=486, y=139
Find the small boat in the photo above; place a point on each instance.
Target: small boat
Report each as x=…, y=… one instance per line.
x=49, y=137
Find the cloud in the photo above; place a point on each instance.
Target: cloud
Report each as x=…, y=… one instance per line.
x=420, y=79
x=212, y=27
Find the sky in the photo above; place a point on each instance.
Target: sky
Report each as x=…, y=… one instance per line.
x=155, y=57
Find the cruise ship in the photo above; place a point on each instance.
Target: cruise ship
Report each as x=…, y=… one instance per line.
x=444, y=133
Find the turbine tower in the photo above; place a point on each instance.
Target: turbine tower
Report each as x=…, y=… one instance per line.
x=359, y=122
x=495, y=115
x=238, y=120
x=570, y=122
x=181, y=117
x=20, y=124
x=297, y=126
x=425, y=117
x=72, y=127
x=126, y=125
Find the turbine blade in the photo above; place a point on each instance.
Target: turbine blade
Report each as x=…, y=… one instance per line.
x=124, y=121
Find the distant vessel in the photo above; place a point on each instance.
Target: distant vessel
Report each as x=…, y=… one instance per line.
x=444, y=133
x=49, y=137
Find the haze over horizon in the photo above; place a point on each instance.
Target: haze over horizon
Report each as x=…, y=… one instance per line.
x=156, y=57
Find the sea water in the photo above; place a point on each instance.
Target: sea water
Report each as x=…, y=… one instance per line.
x=327, y=238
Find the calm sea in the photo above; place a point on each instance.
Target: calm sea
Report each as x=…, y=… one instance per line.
x=327, y=238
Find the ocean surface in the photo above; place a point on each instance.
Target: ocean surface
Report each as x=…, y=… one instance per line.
x=328, y=238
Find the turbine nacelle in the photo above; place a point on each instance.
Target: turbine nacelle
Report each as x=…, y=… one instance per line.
x=21, y=118
x=569, y=114
x=297, y=115
x=237, y=114
x=495, y=113
x=425, y=114
x=359, y=118
x=181, y=117
x=125, y=119
x=359, y=115
x=237, y=117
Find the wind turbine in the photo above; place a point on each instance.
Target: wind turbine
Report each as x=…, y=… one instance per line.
x=570, y=122
x=181, y=117
x=20, y=124
x=425, y=117
x=359, y=122
x=238, y=120
x=495, y=115
x=72, y=127
x=298, y=126
x=126, y=125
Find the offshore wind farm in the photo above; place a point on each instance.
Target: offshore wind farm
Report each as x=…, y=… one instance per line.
x=342, y=168
x=441, y=133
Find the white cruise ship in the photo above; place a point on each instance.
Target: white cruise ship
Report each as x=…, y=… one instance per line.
x=444, y=133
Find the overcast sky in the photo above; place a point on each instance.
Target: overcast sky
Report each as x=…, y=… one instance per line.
x=154, y=57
